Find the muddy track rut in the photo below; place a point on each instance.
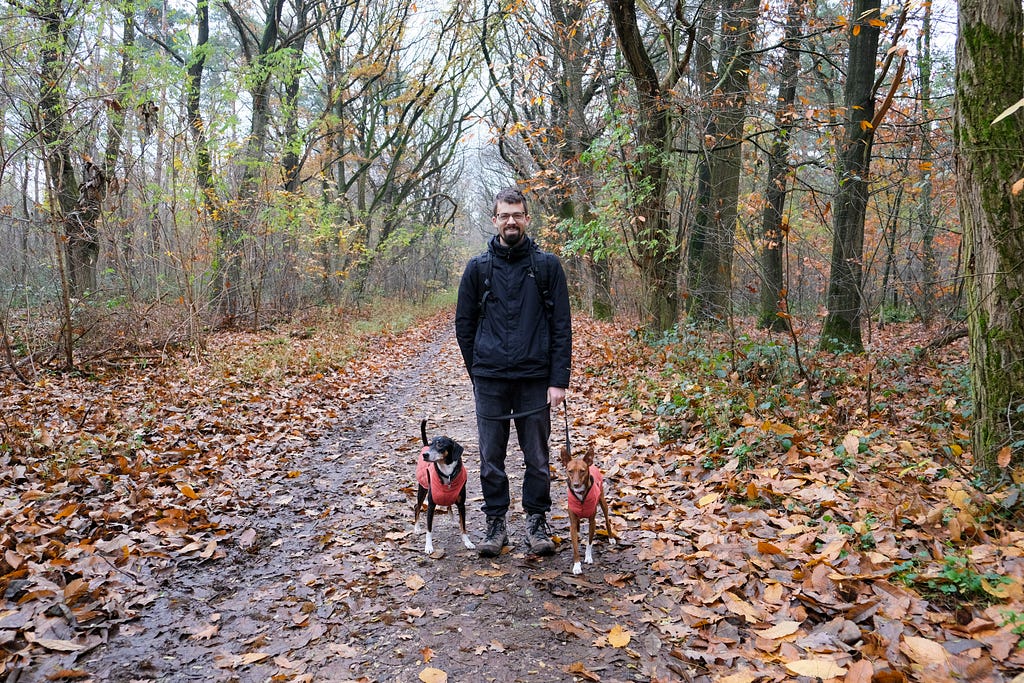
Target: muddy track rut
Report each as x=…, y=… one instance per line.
x=328, y=582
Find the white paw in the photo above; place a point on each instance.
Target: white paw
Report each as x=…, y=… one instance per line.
x=589, y=559
x=429, y=546
x=577, y=568
x=416, y=528
x=611, y=540
x=468, y=543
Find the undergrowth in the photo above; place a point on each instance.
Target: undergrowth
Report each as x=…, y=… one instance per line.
x=322, y=340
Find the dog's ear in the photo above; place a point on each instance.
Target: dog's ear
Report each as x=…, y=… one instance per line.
x=588, y=457
x=564, y=456
x=456, y=450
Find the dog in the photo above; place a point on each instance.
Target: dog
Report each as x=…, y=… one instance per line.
x=586, y=492
x=441, y=480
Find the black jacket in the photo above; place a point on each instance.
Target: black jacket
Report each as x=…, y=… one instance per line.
x=513, y=335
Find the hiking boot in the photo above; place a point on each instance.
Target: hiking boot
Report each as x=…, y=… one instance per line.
x=496, y=538
x=537, y=535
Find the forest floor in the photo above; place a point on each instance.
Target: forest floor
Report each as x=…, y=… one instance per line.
x=248, y=522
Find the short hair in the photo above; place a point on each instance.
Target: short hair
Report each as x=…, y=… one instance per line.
x=510, y=195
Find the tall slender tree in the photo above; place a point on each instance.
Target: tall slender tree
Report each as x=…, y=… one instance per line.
x=842, y=328
x=926, y=210
x=655, y=240
x=726, y=90
x=774, y=226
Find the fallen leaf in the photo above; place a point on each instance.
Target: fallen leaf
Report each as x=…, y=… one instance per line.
x=187, y=490
x=343, y=650
x=59, y=645
x=68, y=675
x=578, y=669
x=851, y=443
x=707, y=500
x=208, y=631
x=415, y=582
x=247, y=539
x=780, y=630
x=253, y=657
x=619, y=637
x=816, y=668
x=565, y=626
x=924, y=651
x=744, y=676
x=431, y=675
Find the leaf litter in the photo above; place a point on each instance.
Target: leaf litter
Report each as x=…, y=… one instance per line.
x=189, y=522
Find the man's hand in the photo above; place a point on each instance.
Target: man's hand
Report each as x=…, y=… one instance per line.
x=555, y=396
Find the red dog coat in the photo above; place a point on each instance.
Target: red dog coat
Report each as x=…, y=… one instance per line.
x=587, y=508
x=442, y=494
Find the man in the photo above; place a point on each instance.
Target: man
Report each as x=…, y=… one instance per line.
x=514, y=328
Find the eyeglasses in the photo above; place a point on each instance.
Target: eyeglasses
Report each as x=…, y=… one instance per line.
x=517, y=216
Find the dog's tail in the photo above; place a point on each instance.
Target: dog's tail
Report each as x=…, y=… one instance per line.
x=423, y=432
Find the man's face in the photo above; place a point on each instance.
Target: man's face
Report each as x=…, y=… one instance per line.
x=510, y=222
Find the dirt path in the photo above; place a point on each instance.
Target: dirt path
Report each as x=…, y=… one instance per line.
x=327, y=582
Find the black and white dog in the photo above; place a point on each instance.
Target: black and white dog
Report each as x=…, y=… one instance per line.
x=442, y=482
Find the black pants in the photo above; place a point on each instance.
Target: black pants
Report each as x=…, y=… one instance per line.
x=495, y=397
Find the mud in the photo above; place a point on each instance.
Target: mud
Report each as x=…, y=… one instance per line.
x=326, y=580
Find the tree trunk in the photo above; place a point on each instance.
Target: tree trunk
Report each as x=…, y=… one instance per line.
x=926, y=212
x=82, y=233
x=116, y=122
x=193, y=99
x=289, y=286
x=842, y=328
x=990, y=77
x=774, y=229
x=656, y=247
x=81, y=242
x=710, y=302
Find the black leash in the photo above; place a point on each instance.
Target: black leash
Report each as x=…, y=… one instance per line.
x=513, y=416
x=565, y=413
x=533, y=411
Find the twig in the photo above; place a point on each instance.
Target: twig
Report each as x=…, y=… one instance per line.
x=9, y=355
x=944, y=339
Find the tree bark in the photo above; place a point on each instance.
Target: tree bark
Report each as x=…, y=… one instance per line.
x=842, y=328
x=926, y=211
x=657, y=245
x=989, y=78
x=774, y=228
x=194, y=112
x=710, y=301
x=81, y=240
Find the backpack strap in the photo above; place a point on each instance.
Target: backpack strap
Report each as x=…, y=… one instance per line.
x=484, y=287
x=541, y=276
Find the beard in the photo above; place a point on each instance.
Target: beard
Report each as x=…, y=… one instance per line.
x=512, y=238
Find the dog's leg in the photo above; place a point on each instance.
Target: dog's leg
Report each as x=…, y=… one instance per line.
x=574, y=534
x=429, y=546
x=591, y=523
x=421, y=495
x=607, y=519
x=462, y=520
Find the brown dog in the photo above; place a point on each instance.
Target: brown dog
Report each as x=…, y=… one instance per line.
x=586, y=492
